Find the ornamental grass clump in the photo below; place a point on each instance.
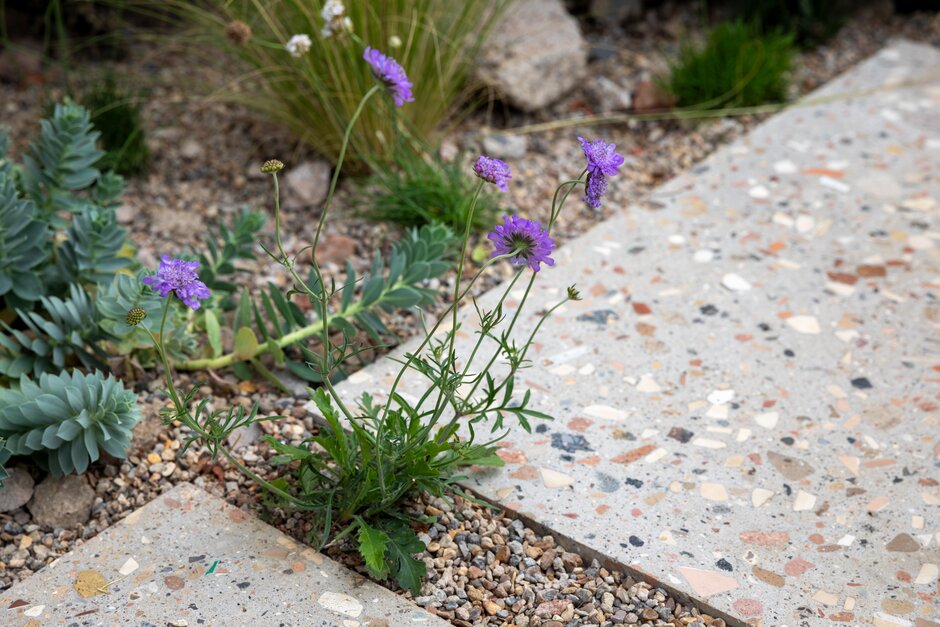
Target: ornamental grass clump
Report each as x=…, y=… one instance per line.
x=738, y=66
x=369, y=455
x=302, y=62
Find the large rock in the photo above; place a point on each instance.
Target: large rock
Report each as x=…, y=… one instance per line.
x=307, y=184
x=16, y=490
x=62, y=503
x=535, y=55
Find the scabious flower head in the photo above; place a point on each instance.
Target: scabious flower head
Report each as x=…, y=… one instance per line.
x=602, y=162
x=388, y=70
x=601, y=158
x=573, y=293
x=334, y=18
x=596, y=186
x=493, y=171
x=179, y=276
x=298, y=45
x=238, y=32
x=271, y=166
x=526, y=239
x=135, y=315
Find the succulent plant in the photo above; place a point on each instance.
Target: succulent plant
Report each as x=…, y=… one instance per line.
x=24, y=246
x=64, y=421
x=66, y=329
x=62, y=160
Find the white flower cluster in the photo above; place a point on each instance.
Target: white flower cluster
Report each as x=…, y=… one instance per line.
x=334, y=17
x=298, y=45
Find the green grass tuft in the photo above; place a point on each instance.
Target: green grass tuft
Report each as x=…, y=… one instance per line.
x=426, y=190
x=737, y=67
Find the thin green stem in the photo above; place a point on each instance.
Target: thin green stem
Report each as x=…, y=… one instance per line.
x=556, y=210
x=451, y=356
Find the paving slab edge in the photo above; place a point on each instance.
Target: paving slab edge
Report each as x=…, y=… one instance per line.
x=608, y=562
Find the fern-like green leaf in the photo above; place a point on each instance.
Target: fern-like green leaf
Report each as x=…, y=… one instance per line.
x=237, y=242
x=66, y=420
x=402, y=544
x=372, y=545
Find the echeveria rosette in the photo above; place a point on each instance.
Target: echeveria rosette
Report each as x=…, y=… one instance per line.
x=602, y=161
x=493, y=171
x=179, y=277
x=526, y=240
x=390, y=72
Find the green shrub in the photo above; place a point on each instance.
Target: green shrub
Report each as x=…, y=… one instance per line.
x=313, y=96
x=811, y=22
x=737, y=67
x=423, y=190
x=115, y=113
x=65, y=421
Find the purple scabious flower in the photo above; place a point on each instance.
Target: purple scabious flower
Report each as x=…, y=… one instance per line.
x=388, y=70
x=596, y=186
x=493, y=171
x=527, y=239
x=602, y=162
x=601, y=158
x=179, y=276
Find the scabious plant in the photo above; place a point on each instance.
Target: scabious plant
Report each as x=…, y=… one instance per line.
x=493, y=171
x=179, y=276
x=602, y=162
x=368, y=456
x=390, y=72
x=525, y=242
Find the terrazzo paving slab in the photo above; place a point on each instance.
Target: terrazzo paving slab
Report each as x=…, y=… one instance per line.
x=189, y=558
x=746, y=400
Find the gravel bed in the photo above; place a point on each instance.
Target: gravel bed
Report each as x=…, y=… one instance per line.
x=484, y=569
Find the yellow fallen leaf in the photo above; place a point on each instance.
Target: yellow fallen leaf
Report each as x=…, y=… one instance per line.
x=90, y=583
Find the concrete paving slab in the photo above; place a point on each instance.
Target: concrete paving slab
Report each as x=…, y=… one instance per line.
x=746, y=400
x=189, y=558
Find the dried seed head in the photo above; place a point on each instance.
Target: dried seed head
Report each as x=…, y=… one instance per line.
x=238, y=32
x=271, y=166
x=135, y=316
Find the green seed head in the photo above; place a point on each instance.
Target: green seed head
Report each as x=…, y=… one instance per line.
x=271, y=166
x=135, y=316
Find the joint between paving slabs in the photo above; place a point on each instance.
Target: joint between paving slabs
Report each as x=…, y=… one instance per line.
x=606, y=561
